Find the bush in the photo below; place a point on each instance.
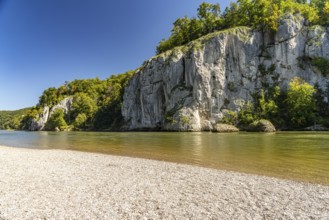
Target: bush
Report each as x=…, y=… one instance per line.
x=322, y=64
x=301, y=104
x=56, y=121
x=246, y=115
x=230, y=118
x=80, y=121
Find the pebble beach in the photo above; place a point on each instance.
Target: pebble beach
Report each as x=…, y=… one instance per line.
x=61, y=184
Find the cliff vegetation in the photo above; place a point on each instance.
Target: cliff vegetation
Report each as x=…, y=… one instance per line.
x=12, y=120
x=263, y=15
x=89, y=104
x=257, y=61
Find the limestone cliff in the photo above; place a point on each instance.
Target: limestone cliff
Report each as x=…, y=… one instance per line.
x=191, y=87
x=39, y=123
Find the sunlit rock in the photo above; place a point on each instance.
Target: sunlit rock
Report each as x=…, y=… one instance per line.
x=39, y=123
x=190, y=87
x=225, y=128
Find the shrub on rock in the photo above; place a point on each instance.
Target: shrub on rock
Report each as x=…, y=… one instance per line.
x=261, y=126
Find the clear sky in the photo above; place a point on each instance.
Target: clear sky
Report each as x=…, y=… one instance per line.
x=44, y=43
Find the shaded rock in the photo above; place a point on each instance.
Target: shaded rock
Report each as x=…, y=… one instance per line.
x=317, y=128
x=64, y=105
x=289, y=27
x=224, y=128
x=206, y=125
x=261, y=126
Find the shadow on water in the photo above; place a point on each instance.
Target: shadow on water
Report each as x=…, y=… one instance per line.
x=300, y=156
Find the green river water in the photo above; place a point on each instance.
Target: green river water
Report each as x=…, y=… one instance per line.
x=302, y=156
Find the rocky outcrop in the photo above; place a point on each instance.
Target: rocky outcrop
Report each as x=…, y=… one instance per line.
x=39, y=123
x=64, y=105
x=224, y=128
x=317, y=127
x=260, y=126
x=189, y=88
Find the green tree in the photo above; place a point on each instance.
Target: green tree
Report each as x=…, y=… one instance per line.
x=195, y=29
x=32, y=113
x=109, y=114
x=12, y=119
x=83, y=104
x=263, y=15
x=268, y=106
x=322, y=106
x=322, y=8
x=96, y=103
x=230, y=117
x=266, y=15
x=165, y=45
x=232, y=16
x=80, y=121
x=301, y=104
x=49, y=97
x=185, y=29
x=301, y=1
x=210, y=17
x=56, y=121
x=180, y=31
x=247, y=114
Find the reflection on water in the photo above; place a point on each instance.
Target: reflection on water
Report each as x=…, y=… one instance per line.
x=293, y=155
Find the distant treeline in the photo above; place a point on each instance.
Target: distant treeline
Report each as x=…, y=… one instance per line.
x=258, y=14
x=97, y=103
x=96, y=106
x=10, y=120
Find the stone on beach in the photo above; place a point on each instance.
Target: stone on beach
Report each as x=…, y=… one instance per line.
x=58, y=184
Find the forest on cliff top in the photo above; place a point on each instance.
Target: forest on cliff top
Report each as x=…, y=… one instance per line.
x=97, y=103
x=262, y=15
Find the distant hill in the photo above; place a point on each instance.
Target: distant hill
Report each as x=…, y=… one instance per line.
x=12, y=119
x=82, y=104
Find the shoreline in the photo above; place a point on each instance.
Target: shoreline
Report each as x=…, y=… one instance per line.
x=63, y=184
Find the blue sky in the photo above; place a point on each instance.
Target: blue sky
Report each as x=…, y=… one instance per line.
x=44, y=43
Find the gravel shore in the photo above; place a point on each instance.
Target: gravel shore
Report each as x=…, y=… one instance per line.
x=58, y=184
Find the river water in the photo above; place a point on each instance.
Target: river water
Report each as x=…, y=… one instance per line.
x=302, y=156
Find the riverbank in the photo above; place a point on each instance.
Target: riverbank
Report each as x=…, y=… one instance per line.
x=58, y=184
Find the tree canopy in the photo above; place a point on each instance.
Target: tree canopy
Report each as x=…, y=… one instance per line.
x=258, y=14
x=12, y=119
x=301, y=104
x=96, y=104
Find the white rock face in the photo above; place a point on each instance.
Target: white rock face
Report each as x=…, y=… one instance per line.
x=189, y=88
x=39, y=123
x=65, y=105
